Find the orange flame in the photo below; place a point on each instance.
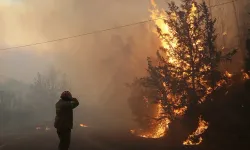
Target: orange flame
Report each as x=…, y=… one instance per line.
x=158, y=127
x=172, y=46
x=229, y=75
x=169, y=42
x=153, y=3
x=245, y=76
x=203, y=125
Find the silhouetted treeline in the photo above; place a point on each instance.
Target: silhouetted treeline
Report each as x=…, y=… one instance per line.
x=26, y=106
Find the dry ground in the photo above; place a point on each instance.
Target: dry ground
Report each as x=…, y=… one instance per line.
x=82, y=139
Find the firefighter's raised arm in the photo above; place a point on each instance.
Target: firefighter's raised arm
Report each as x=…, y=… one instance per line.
x=67, y=101
x=69, y=104
x=74, y=103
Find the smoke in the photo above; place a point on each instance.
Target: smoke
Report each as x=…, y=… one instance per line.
x=97, y=66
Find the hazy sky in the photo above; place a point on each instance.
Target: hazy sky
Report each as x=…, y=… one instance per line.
x=99, y=65
x=30, y=21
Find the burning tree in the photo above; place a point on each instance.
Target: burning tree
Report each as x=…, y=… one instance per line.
x=185, y=72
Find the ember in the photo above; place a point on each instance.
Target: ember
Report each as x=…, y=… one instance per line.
x=229, y=75
x=83, y=125
x=245, y=76
x=47, y=129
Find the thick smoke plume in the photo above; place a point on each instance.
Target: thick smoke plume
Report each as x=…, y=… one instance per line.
x=97, y=66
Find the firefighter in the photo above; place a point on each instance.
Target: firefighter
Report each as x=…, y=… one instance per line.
x=64, y=119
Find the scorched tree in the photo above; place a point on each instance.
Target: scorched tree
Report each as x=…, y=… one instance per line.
x=185, y=72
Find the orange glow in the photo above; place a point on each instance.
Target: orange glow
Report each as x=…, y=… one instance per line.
x=153, y=3
x=245, y=76
x=83, y=125
x=203, y=125
x=157, y=128
x=171, y=54
x=228, y=74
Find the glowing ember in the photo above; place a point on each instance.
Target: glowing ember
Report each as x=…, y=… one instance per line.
x=228, y=74
x=132, y=131
x=195, y=139
x=43, y=128
x=47, y=129
x=245, y=76
x=83, y=125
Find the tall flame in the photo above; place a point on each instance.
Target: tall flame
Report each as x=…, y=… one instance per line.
x=158, y=127
x=168, y=41
x=159, y=17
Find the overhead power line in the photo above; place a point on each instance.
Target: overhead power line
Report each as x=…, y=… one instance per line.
x=75, y=36
x=222, y=4
x=96, y=31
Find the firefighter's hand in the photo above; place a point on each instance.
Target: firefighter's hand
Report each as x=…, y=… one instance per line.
x=75, y=103
x=74, y=99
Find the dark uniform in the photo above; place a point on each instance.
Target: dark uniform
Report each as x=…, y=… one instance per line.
x=64, y=119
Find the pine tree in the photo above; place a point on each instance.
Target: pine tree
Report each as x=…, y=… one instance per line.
x=186, y=70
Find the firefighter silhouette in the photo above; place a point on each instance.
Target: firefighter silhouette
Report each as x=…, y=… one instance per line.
x=64, y=119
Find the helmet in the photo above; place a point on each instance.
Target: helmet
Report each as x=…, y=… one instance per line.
x=66, y=95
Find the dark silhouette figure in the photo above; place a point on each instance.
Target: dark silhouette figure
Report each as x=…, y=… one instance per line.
x=64, y=119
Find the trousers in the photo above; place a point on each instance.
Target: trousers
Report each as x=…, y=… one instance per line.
x=64, y=137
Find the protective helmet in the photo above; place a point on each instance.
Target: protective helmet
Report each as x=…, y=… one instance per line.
x=66, y=95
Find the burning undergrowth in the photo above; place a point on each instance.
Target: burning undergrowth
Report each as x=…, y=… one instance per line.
x=155, y=128
x=194, y=138
x=185, y=73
